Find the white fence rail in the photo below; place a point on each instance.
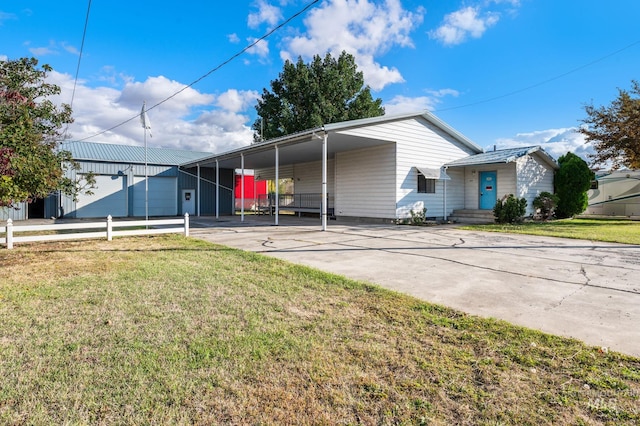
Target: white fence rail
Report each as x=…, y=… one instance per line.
x=106, y=229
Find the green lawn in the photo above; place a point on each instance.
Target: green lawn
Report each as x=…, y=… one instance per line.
x=615, y=231
x=168, y=330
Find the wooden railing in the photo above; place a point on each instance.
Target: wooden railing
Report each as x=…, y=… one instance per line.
x=105, y=229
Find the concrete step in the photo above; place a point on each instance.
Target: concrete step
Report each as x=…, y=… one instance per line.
x=472, y=216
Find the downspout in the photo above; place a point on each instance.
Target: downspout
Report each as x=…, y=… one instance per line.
x=445, y=195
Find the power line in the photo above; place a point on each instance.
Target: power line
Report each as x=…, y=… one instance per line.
x=265, y=36
x=533, y=86
x=75, y=80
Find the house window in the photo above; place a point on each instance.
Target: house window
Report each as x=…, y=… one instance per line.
x=426, y=186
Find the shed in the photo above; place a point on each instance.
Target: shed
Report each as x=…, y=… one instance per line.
x=121, y=190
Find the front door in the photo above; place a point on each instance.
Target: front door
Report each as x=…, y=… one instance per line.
x=188, y=201
x=488, y=190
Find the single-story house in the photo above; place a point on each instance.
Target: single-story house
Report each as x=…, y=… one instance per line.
x=382, y=168
x=376, y=169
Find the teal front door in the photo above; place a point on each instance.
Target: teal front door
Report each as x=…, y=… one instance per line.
x=488, y=190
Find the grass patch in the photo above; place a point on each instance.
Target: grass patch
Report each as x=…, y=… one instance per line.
x=614, y=231
x=180, y=331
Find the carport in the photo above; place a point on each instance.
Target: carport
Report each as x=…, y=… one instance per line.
x=316, y=145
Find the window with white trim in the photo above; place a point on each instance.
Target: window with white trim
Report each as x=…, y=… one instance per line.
x=426, y=186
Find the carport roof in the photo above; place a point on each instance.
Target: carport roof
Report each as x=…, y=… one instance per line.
x=305, y=146
x=503, y=156
x=104, y=152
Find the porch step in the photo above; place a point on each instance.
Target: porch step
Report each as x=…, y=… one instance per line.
x=472, y=216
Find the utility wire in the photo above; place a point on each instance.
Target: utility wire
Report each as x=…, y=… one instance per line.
x=533, y=86
x=75, y=81
x=265, y=36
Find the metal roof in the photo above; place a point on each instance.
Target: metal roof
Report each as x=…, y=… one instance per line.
x=303, y=146
x=93, y=151
x=503, y=156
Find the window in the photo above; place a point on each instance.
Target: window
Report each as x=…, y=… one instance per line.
x=426, y=186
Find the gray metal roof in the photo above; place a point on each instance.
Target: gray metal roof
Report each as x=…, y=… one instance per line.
x=503, y=156
x=92, y=151
x=307, y=140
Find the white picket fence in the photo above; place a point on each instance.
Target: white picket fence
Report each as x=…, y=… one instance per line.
x=111, y=229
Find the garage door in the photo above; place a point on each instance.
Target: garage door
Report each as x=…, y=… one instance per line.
x=163, y=196
x=109, y=198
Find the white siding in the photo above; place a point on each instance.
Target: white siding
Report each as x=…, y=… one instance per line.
x=365, y=182
x=455, y=190
x=418, y=143
x=284, y=172
x=307, y=177
x=506, y=182
x=534, y=177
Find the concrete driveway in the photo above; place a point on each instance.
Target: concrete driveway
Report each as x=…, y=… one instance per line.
x=574, y=288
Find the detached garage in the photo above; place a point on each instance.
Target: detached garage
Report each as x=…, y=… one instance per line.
x=121, y=190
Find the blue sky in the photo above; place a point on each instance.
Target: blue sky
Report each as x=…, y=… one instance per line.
x=502, y=72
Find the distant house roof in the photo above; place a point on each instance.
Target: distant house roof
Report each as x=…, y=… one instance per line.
x=92, y=151
x=502, y=156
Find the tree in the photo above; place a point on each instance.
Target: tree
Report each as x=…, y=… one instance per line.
x=572, y=181
x=615, y=130
x=31, y=163
x=305, y=96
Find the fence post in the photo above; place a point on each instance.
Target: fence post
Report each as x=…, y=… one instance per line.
x=9, y=234
x=186, y=224
x=109, y=228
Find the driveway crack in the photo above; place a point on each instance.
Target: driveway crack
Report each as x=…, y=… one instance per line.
x=585, y=284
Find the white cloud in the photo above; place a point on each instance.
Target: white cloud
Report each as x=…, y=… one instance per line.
x=4, y=58
x=233, y=38
x=237, y=100
x=53, y=49
x=6, y=17
x=461, y=24
x=261, y=48
x=364, y=28
x=402, y=104
x=192, y=120
x=556, y=142
x=266, y=14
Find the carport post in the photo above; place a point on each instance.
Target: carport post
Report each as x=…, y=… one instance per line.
x=277, y=183
x=217, y=190
x=324, y=182
x=198, y=198
x=241, y=187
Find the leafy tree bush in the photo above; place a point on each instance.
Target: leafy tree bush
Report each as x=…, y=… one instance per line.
x=31, y=163
x=546, y=204
x=572, y=181
x=510, y=209
x=615, y=130
x=418, y=218
x=305, y=96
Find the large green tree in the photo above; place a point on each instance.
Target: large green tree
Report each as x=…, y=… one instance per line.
x=615, y=130
x=572, y=181
x=304, y=96
x=31, y=163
